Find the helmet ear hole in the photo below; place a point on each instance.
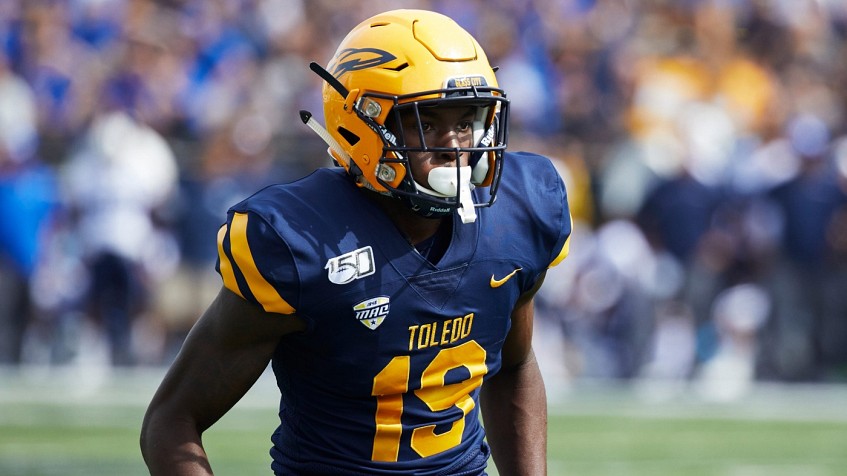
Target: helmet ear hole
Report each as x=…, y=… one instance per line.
x=348, y=135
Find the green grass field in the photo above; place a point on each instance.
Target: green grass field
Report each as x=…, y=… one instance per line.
x=76, y=424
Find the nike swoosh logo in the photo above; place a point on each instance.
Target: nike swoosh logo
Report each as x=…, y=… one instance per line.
x=496, y=283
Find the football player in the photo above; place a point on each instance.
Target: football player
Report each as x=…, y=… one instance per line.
x=393, y=294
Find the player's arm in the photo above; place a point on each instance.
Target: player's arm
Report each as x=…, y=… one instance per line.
x=514, y=402
x=223, y=355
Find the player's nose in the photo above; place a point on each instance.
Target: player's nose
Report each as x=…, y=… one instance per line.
x=450, y=147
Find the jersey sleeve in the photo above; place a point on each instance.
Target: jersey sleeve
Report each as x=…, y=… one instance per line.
x=255, y=263
x=563, y=242
x=547, y=197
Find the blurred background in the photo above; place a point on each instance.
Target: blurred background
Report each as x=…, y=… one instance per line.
x=702, y=141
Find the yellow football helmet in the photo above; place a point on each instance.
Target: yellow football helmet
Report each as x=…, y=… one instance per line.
x=404, y=60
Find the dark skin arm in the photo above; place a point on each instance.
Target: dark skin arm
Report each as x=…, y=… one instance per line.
x=514, y=402
x=223, y=356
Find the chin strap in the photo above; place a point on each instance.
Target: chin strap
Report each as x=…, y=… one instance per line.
x=333, y=144
x=467, y=209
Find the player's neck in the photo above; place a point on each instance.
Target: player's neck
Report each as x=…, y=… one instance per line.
x=416, y=228
x=413, y=226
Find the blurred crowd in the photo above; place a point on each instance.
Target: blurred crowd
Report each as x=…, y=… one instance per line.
x=702, y=141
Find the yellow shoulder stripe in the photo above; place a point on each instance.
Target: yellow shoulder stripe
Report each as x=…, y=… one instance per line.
x=227, y=273
x=267, y=296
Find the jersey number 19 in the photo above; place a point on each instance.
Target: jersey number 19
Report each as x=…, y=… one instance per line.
x=392, y=382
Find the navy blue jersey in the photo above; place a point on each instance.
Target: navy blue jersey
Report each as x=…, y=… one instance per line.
x=386, y=378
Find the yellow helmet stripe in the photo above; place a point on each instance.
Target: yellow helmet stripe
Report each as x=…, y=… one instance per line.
x=267, y=296
x=227, y=273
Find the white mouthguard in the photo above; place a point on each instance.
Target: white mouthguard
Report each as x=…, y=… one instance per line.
x=443, y=183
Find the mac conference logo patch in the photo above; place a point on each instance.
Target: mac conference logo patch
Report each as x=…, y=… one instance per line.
x=372, y=312
x=355, y=59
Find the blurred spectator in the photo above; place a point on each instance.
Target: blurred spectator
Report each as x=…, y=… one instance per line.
x=115, y=182
x=28, y=199
x=603, y=302
x=63, y=71
x=806, y=275
x=739, y=313
x=234, y=161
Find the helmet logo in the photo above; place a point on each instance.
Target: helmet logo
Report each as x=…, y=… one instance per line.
x=355, y=59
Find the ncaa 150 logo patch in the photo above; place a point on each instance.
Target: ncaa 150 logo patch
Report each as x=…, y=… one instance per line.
x=372, y=312
x=349, y=266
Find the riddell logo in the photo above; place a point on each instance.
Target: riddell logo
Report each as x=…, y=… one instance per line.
x=355, y=59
